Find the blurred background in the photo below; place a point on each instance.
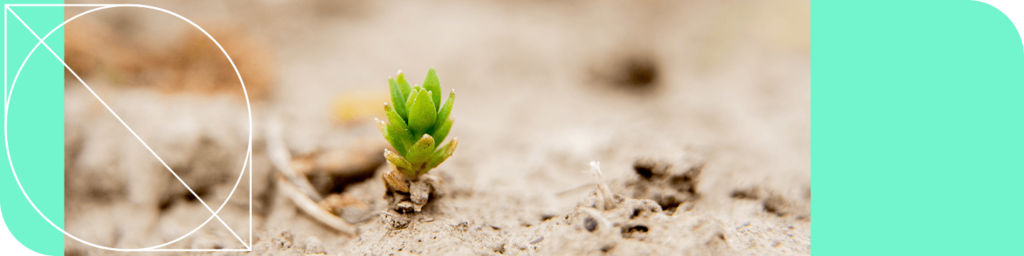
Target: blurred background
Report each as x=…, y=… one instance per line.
x=544, y=87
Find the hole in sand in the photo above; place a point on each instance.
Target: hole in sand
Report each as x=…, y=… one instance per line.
x=638, y=71
x=679, y=181
x=165, y=203
x=607, y=248
x=745, y=194
x=644, y=171
x=546, y=217
x=670, y=205
x=637, y=228
x=200, y=191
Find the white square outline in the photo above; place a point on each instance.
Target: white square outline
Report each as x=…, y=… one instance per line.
x=7, y=8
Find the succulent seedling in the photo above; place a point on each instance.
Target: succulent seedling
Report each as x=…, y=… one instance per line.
x=416, y=124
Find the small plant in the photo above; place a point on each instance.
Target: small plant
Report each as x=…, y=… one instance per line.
x=417, y=124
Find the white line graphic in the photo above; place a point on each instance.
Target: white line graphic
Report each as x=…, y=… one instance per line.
x=9, y=94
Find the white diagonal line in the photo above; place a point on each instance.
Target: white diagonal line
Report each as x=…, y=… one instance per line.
x=55, y=55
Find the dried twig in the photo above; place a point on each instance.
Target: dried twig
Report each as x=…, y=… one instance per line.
x=280, y=157
x=605, y=198
x=575, y=189
x=310, y=207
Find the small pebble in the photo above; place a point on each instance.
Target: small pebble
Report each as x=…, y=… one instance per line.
x=405, y=207
x=590, y=224
x=538, y=240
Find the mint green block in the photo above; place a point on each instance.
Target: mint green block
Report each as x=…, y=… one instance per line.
x=917, y=133
x=35, y=130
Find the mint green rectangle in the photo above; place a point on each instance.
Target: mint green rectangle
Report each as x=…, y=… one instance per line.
x=34, y=128
x=916, y=128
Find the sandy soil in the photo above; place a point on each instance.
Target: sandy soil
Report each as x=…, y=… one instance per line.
x=698, y=112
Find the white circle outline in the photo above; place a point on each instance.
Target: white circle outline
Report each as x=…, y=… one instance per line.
x=247, y=161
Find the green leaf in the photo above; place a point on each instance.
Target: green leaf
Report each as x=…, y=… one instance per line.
x=422, y=114
x=442, y=154
x=398, y=97
x=398, y=161
x=442, y=131
x=389, y=136
x=408, y=101
x=420, y=152
x=442, y=116
x=432, y=84
x=403, y=145
x=402, y=83
x=401, y=129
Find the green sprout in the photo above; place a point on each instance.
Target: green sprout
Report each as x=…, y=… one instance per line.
x=417, y=123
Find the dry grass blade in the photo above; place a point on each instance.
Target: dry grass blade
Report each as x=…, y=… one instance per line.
x=311, y=208
x=605, y=198
x=280, y=157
